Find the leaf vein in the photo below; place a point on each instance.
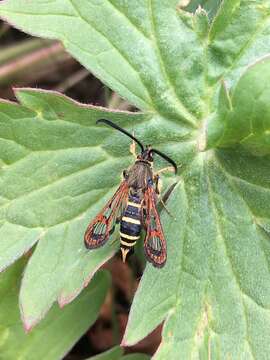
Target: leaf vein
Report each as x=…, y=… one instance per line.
x=59, y=180
x=140, y=30
x=187, y=116
x=226, y=253
x=80, y=15
x=223, y=238
x=35, y=14
x=256, y=186
x=230, y=180
x=249, y=42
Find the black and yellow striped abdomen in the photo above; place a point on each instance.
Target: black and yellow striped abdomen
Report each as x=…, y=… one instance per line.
x=130, y=226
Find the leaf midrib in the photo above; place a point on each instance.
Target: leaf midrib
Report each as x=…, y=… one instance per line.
x=188, y=117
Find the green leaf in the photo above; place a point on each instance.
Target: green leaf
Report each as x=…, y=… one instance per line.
x=116, y=354
x=244, y=116
x=136, y=356
x=61, y=328
x=112, y=354
x=214, y=292
x=55, y=177
x=239, y=36
x=53, y=182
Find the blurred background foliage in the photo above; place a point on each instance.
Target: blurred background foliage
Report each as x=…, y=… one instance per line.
x=32, y=62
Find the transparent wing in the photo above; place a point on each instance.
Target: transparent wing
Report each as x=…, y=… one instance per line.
x=154, y=243
x=100, y=229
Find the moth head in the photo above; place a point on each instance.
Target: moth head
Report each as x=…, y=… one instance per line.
x=146, y=155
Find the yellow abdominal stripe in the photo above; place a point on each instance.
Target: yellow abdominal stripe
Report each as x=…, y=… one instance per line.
x=127, y=244
x=134, y=204
x=131, y=220
x=131, y=240
x=129, y=237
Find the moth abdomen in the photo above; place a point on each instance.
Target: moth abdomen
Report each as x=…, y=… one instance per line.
x=130, y=226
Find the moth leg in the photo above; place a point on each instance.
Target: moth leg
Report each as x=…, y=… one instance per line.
x=168, y=168
x=157, y=184
x=118, y=219
x=158, y=187
x=156, y=178
x=132, y=148
x=166, y=209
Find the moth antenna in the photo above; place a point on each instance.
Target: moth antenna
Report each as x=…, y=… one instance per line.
x=110, y=123
x=165, y=157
